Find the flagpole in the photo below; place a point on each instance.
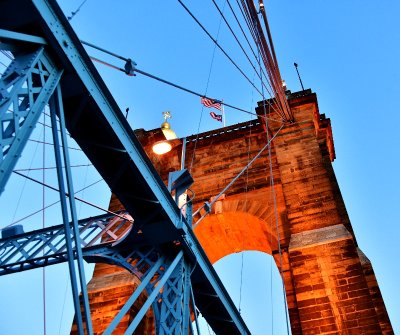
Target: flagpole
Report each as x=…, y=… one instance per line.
x=223, y=113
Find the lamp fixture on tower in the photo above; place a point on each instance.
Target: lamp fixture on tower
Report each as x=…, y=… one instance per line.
x=163, y=147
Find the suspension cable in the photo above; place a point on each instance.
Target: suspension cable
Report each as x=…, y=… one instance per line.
x=63, y=306
x=254, y=25
x=44, y=223
x=205, y=94
x=51, y=168
x=76, y=11
x=192, y=92
x=178, y=87
x=241, y=28
x=48, y=143
x=244, y=237
x=241, y=47
x=218, y=45
x=163, y=80
x=251, y=18
x=67, y=194
x=105, y=51
x=251, y=48
x=160, y=79
x=277, y=230
x=272, y=186
x=84, y=184
x=25, y=181
x=280, y=92
x=51, y=205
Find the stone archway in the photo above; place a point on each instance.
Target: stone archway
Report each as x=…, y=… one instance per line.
x=255, y=286
x=238, y=226
x=330, y=285
x=322, y=269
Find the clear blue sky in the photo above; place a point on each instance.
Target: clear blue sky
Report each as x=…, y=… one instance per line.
x=348, y=53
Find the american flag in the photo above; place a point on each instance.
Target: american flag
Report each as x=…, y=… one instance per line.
x=215, y=116
x=211, y=103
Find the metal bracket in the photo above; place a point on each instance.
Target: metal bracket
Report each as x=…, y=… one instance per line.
x=130, y=67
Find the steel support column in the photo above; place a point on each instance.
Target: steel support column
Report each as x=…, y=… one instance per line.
x=154, y=294
x=56, y=107
x=174, y=305
x=145, y=282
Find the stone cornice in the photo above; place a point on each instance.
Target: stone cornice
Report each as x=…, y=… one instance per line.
x=320, y=236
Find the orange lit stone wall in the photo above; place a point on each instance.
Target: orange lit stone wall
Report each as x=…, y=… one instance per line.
x=108, y=290
x=330, y=284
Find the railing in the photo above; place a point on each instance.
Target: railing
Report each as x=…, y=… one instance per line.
x=47, y=246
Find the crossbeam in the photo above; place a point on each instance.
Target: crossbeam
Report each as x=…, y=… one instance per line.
x=48, y=246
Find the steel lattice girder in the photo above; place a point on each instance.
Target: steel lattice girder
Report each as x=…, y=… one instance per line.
x=162, y=277
x=25, y=88
x=174, y=303
x=167, y=282
x=47, y=246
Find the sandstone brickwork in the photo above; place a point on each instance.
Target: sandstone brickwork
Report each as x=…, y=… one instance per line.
x=108, y=291
x=287, y=204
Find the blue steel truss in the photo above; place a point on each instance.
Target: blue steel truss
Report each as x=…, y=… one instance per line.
x=25, y=87
x=155, y=242
x=174, y=304
x=48, y=246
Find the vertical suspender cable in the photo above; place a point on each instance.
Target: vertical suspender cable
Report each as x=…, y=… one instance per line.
x=64, y=210
x=246, y=199
x=218, y=45
x=23, y=186
x=56, y=105
x=44, y=221
x=276, y=217
x=205, y=94
x=194, y=310
x=75, y=231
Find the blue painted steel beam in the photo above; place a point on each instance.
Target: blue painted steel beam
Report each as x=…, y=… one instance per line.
x=14, y=36
x=102, y=132
x=71, y=232
x=187, y=287
x=139, y=316
x=114, y=126
x=48, y=246
x=132, y=299
x=22, y=100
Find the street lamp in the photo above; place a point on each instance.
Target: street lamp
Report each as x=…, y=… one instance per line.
x=171, y=140
x=162, y=147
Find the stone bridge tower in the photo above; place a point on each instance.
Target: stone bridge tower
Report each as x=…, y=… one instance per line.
x=288, y=204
